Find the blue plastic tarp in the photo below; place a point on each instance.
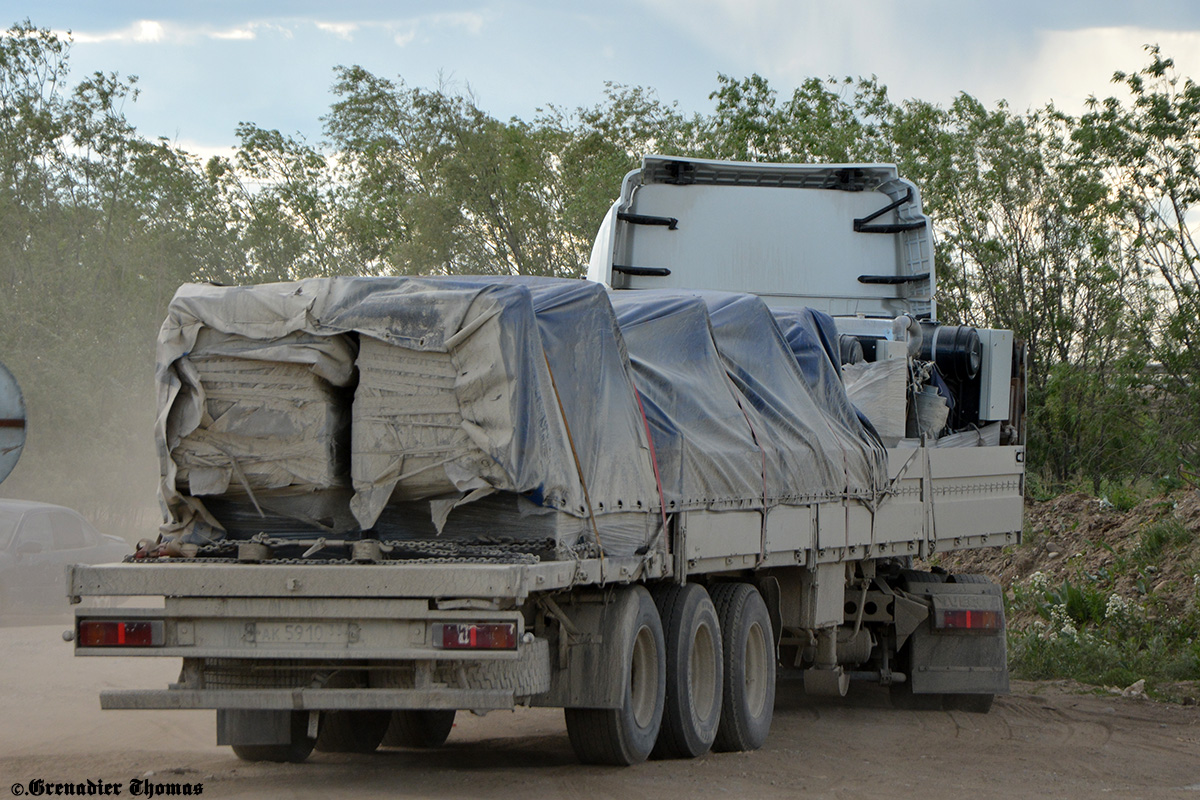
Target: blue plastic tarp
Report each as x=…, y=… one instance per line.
x=739, y=418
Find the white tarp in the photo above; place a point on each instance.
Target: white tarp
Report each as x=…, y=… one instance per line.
x=533, y=377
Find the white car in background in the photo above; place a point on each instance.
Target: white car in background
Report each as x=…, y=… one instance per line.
x=37, y=542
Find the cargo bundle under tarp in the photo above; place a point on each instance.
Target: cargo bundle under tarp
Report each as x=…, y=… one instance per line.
x=464, y=387
x=742, y=417
x=485, y=408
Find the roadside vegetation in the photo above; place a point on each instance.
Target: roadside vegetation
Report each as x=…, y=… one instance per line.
x=1104, y=593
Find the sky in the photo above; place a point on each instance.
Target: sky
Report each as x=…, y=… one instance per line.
x=206, y=65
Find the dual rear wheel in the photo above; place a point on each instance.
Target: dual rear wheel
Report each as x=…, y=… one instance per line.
x=365, y=731
x=700, y=674
x=355, y=732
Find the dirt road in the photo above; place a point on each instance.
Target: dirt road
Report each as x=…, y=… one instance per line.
x=1041, y=741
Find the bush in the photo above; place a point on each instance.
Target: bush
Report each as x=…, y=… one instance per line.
x=1097, y=637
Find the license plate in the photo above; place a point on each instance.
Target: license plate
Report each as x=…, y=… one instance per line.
x=288, y=634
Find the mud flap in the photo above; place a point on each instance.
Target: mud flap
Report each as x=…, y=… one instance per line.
x=960, y=648
x=253, y=727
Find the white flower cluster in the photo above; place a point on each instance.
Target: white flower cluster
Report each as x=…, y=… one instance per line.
x=1061, y=624
x=1118, y=608
x=1038, y=581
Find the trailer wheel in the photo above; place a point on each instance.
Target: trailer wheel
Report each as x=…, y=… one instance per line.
x=295, y=752
x=692, y=708
x=626, y=735
x=748, y=696
x=969, y=578
x=351, y=731
x=412, y=728
x=974, y=703
x=904, y=699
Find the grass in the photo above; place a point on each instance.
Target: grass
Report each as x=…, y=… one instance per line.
x=1083, y=631
x=1164, y=534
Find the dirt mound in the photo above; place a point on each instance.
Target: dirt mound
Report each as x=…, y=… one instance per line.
x=1151, y=550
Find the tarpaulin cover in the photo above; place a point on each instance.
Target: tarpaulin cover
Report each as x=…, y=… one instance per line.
x=738, y=419
x=703, y=442
x=879, y=389
x=266, y=423
x=535, y=379
x=522, y=348
x=811, y=335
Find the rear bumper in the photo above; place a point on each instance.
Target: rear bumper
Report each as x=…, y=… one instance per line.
x=307, y=699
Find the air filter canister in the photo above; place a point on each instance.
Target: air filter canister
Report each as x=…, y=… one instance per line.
x=955, y=349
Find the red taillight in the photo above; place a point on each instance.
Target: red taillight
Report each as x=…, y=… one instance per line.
x=120, y=633
x=969, y=619
x=479, y=636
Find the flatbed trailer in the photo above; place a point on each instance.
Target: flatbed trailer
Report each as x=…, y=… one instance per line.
x=346, y=641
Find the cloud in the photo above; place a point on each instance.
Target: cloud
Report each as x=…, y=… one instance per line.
x=155, y=32
x=406, y=31
x=234, y=33
x=470, y=21
x=203, y=151
x=342, y=30
x=1071, y=65
x=141, y=31
x=990, y=54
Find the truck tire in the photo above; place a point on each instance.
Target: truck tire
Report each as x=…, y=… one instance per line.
x=692, y=707
x=412, y=728
x=908, y=577
x=295, y=752
x=973, y=703
x=748, y=694
x=527, y=676
x=969, y=578
x=904, y=699
x=626, y=735
x=358, y=731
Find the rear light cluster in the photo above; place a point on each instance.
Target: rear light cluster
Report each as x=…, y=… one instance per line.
x=120, y=633
x=968, y=619
x=476, y=636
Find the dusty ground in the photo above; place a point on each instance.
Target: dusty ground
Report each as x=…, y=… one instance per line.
x=1042, y=741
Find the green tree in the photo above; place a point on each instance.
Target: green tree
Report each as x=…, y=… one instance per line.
x=97, y=228
x=432, y=183
x=1149, y=148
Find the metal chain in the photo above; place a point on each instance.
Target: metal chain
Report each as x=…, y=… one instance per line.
x=492, y=549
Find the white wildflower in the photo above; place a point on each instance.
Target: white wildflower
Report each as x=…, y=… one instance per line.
x=1044, y=633
x=1117, y=608
x=1039, y=582
x=1062, y=623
